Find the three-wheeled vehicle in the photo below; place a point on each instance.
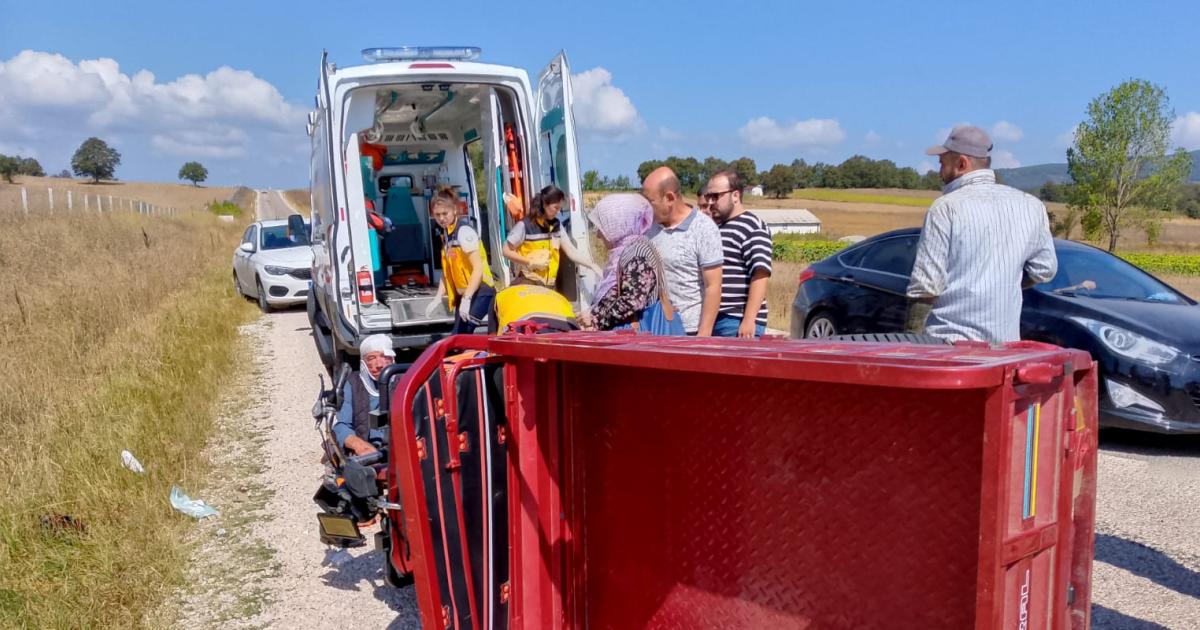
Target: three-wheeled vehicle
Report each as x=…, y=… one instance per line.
x=605, y=480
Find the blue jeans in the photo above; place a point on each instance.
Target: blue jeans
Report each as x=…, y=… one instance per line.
x=481, y=307
x=727, y=326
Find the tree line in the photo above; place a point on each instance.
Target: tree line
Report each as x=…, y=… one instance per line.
x=781, y=179
x=94, y=159
x=11, y=166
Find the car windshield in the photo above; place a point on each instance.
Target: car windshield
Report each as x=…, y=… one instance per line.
x=277, y=237
x=1097, y=274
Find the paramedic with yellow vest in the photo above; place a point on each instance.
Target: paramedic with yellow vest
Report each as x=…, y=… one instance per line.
x=534, y=243
x=532, y=303
x=466, y=277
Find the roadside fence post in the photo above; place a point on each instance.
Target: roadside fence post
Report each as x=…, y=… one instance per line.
x=24, y=200
x=86, y=207
x=50, y=192
x=70, y=206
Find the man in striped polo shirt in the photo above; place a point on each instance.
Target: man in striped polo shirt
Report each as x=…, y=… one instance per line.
x=747, y=247
x=981, y=245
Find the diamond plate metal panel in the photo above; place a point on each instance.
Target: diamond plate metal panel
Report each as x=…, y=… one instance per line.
x=700, y=501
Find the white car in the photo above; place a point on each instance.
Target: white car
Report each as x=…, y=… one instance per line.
x=273, y=264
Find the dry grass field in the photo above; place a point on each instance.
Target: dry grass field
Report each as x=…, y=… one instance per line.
x=115, y=331
x=299, y=199
x=182, y=196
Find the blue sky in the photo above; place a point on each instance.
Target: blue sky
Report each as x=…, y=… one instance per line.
x=771, y=80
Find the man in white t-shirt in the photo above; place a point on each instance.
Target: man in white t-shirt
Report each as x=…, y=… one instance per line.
x=689, y=244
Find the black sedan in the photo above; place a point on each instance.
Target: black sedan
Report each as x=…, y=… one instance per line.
x=1144, y=334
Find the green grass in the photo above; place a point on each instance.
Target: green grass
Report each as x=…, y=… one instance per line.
x=827, y=194
x=225, y=208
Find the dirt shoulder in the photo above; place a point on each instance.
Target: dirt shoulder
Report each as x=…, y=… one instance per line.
x=267, y=568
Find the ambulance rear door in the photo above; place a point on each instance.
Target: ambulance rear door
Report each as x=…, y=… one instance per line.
x=558, y=156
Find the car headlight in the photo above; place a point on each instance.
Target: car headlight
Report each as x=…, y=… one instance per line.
x=1124, y=396
x=1130, y=344
x=277, y=271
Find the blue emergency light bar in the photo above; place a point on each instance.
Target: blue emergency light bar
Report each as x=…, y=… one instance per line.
x=422, y=53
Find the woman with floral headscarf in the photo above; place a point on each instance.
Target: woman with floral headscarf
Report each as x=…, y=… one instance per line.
x=633, y=279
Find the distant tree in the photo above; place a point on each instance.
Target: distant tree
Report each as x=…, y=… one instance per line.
x=622, y=183
x=711, y=166
x=745, y=168
x=1189, y=202
x=688, y=170
x=591, y=180
x=1120, y=163
x=95, y=159
x=64, y=174
x=805, y=174
x=931, y=180
x=8, y=168
x=193, y=172
x=779, y=181
x=30, y=166
x=1054, y=193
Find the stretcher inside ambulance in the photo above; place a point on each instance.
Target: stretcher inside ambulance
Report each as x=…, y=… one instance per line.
x=408, y=129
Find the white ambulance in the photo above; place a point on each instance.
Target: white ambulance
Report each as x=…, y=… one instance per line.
x=385, y=136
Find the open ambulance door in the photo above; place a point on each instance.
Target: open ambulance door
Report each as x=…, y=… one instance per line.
x=494, y=168
x=449, y=465
x=558, y=164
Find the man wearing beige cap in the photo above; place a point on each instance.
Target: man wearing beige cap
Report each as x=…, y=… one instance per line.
x=981, y=245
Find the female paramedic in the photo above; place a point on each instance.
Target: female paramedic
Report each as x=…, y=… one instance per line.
x=466, y=277
x=534, y=242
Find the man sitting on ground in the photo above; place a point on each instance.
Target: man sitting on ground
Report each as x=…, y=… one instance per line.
x=360, y=396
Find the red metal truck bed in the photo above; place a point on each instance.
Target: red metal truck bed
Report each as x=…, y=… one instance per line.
x=689, y=483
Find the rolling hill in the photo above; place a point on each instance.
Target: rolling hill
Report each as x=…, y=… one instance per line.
x=1032, y=177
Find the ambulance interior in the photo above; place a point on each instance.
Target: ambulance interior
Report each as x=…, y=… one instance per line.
x=413, y=139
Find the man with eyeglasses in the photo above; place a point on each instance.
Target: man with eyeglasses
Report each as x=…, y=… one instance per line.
x=690, y=247
x=746, y=242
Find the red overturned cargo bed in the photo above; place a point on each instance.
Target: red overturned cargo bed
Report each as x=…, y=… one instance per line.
x=621, y=481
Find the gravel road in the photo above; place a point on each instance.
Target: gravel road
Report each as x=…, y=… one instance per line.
x=315, y=586
x=1147, y=569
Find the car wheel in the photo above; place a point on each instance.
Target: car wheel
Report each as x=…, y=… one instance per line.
x=263, y=305
x=820, y=327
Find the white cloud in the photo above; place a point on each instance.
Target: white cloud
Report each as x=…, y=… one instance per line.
x=1065, y=140
x=1185, y=132
x=1004, y=159
x=764, y=133
x=872, y=138
x=48, y=101
x=669, y=134
x=1005, y=131
x=603, y=108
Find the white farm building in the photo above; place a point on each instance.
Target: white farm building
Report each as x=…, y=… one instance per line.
x=790, y=221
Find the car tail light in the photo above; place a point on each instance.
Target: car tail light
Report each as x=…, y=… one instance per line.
x=807, y=274
x=366, y=288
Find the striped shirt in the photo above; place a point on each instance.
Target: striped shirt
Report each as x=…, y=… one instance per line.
x=980, y=240
x=747, y=245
